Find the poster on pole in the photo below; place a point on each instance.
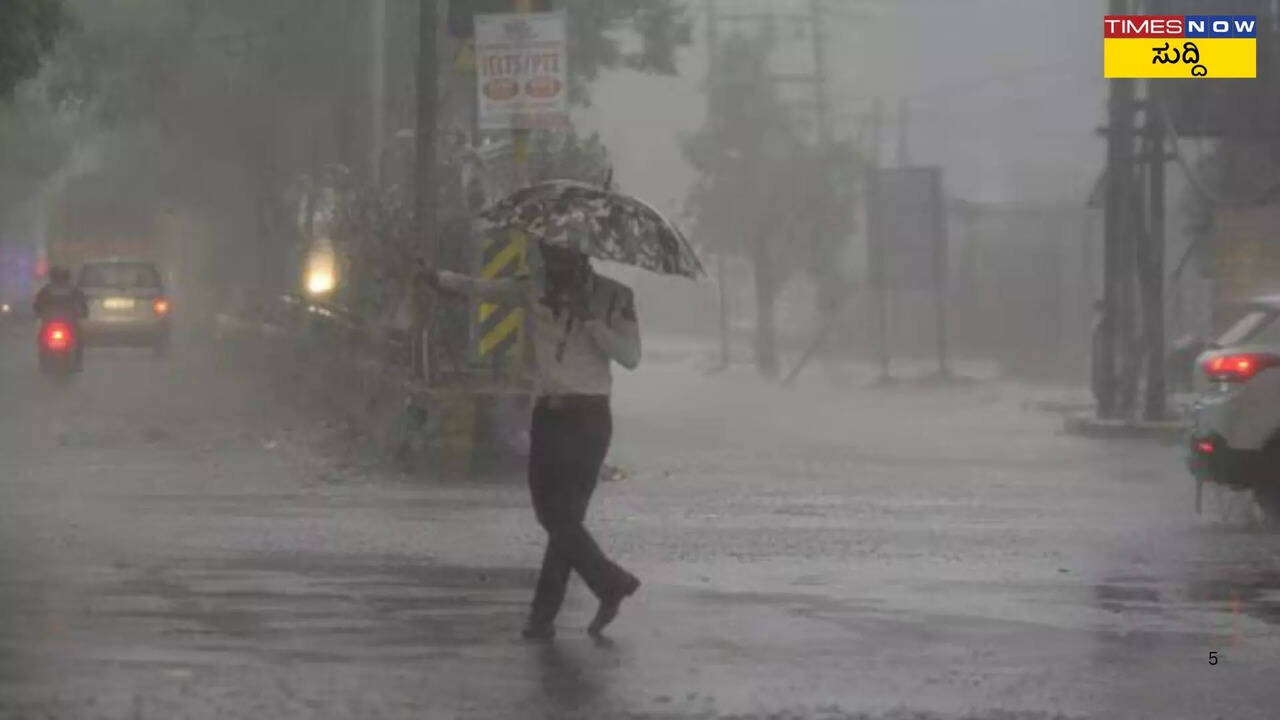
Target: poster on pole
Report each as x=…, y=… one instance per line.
x=908, y=243
x=522, y=79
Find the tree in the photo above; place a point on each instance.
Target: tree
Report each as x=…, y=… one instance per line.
x=825, y=214
x=764, y=191
x=28, y=29
x=595, y=43
x=222, y=106
x=32, y=145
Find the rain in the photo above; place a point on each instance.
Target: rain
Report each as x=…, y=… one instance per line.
x=639, y=359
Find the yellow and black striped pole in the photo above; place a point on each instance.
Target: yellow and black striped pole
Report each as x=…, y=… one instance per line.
x=500, y=327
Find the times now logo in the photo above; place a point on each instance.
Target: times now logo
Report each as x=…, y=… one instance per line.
x=1180, y=26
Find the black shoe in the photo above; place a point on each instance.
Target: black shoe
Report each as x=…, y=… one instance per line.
x=609, y=605
x=538, y=631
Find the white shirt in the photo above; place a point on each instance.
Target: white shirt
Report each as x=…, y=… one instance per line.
x=572, y=357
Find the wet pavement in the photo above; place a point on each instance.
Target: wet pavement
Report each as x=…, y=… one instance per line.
x=180, y=540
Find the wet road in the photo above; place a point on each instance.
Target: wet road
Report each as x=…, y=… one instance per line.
x=177, y=541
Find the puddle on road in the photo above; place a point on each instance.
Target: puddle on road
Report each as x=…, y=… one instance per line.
x=1253, y=592
x=1122, y=598
x=1256, y=593
x=310, y=607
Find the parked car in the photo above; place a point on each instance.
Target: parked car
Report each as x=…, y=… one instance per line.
x=127, y=304
x=1235, y=440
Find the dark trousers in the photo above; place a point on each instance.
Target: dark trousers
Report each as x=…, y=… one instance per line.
x=568, y=442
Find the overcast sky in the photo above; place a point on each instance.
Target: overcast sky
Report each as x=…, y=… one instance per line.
x=1005, y=94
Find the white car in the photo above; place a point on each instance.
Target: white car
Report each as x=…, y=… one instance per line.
x=127, y=304
x=1235, y=439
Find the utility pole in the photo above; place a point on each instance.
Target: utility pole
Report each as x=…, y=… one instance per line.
x=829, y=275
x=426, y=224
x=904, y=130
x=878, y=265
x=1152, y=269
x=520, y=138
x=1118, y=235
x=425, y=171
x=822, y=103
x=713, y=80
x=377, y=86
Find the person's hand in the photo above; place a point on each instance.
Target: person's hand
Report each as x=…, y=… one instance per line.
x=580, y=306
x=429, y=275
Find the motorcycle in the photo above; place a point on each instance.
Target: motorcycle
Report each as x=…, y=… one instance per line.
x=58, y=347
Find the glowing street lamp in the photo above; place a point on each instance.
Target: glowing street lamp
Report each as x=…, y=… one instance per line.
x=322, y=271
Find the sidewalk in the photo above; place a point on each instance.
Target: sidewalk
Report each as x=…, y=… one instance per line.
x=1085, y=424
x=1079, y=416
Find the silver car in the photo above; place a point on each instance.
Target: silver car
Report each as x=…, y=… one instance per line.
x=1235, y=440
x=127, y=304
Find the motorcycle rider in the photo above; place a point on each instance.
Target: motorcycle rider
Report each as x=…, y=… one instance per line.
x=59, y=299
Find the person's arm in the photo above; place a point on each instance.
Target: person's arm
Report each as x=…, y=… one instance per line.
x=497, y=289
x=619, y=337
x=620, y=342
x=38, y=305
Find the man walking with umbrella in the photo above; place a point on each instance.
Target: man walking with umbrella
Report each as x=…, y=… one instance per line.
x=582, y=323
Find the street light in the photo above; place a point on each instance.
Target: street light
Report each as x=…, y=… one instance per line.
x=322, y=276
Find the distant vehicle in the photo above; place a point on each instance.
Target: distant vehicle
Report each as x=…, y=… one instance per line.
x=127, y=304
x=1235, y=440
x=112, y=239
x=17, y=279
x=57, y=345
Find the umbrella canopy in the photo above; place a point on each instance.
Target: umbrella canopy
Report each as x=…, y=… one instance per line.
x=601, y=223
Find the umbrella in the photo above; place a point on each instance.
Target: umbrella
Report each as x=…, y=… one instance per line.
x=599, y=222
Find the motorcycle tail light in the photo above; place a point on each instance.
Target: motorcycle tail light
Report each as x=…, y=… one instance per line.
x=58, y=336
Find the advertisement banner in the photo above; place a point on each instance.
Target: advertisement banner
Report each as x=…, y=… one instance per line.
x=522, y=79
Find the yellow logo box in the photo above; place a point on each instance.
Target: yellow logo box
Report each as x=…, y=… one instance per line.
x=1173, y=57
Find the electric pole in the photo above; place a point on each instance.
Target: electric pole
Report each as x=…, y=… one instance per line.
x=879, y=271
x=713, y=80
x=426, y=225
x=1152, y=267
x=1117, y=238
x=377, y=86
x=829, y=275
x=425, y=180
x=822, y=103
x=904, y=132
x=520, y=138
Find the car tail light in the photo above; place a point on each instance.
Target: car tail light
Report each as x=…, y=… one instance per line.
x=1238, y=367
x=160, y=306
x=58, y=336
